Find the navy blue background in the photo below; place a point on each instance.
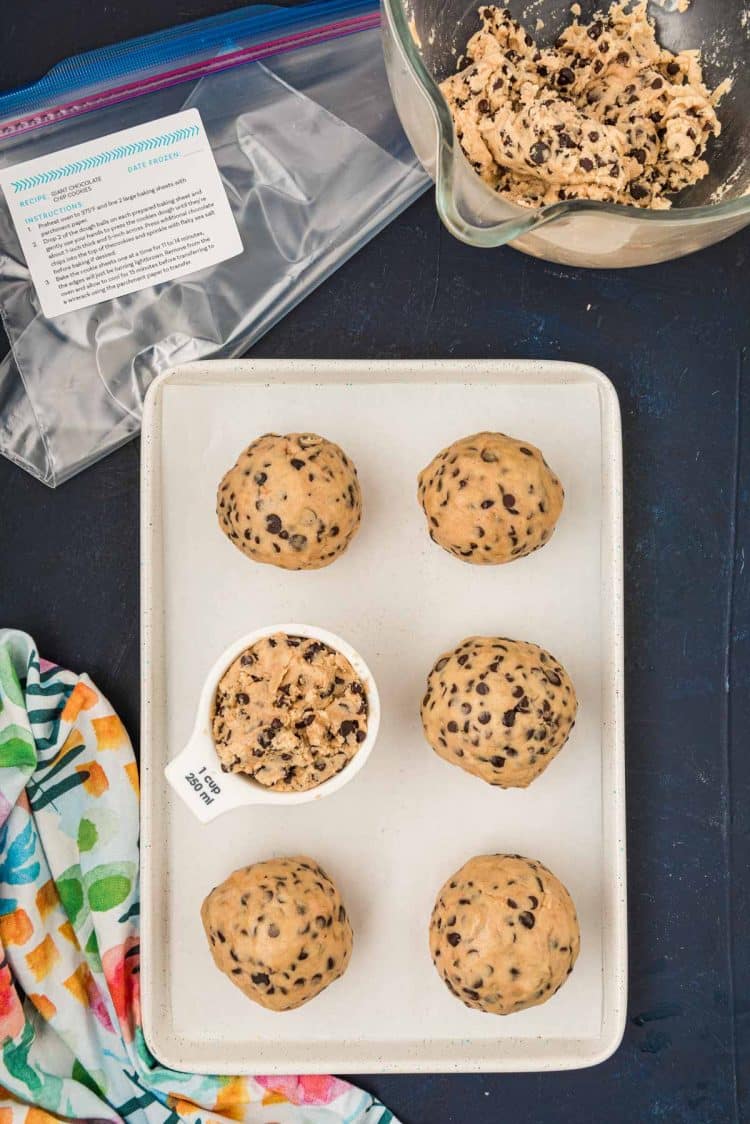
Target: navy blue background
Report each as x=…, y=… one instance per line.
x=674, y=340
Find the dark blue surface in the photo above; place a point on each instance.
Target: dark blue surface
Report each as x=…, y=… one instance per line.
x=674, y=339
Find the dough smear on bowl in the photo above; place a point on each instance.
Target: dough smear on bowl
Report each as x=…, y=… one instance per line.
x=500, y=709
x=490, y=499
x=605, y=113
x=289, y=712
x=279, y=931
x=291, y=501
x=504, y=934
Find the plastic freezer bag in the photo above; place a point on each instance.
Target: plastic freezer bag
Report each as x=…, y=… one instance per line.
x=314, y=163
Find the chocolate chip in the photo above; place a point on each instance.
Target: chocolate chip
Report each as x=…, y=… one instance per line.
x=483, y=105
x=453, y=939
x=673, y=68
x=497, y=762
x=273, y=524
x=595, y=30
x=527, y=919
x=586, y=164
x=298, y=542
x=566, y=77
x=241, y=698
x=260, y=978
x=453, y=727
x=540, y=154
x=297, y=463
x=509, y=501
x=637, y=191
x=509, y=718
x=260, y=478
x=484, y=718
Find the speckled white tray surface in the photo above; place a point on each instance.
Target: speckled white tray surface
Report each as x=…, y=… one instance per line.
x=408, y=820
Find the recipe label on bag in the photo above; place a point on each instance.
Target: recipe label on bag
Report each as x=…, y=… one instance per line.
x=121, y=213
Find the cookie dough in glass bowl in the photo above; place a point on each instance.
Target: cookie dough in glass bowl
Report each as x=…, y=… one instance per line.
x=424, y=41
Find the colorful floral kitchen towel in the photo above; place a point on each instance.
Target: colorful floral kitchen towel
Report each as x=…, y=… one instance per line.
x=70, y=1033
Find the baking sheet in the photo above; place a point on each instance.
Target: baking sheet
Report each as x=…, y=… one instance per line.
x=408, y=820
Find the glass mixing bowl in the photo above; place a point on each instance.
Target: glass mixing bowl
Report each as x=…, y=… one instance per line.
x=423, y=40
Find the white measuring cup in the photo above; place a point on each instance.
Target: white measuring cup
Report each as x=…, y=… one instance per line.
x=195, y=773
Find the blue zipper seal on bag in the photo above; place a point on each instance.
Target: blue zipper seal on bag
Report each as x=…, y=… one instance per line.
x=184, y=53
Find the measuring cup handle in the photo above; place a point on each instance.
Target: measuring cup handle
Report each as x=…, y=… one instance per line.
x=197, y=778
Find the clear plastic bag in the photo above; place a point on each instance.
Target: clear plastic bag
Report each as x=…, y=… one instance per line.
x=314, y=163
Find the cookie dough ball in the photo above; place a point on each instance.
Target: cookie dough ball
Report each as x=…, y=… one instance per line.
x=290, y=712
x=490, y=499
x=504, y=934
x=292, y=501
x=279, y=931
x=500, y=709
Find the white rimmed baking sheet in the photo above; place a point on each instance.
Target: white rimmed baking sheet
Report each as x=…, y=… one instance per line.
x=392, y=836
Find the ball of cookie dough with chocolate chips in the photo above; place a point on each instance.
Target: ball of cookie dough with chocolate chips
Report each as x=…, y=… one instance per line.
x=291, y=501
x=504, y=934
x=279, y=931
x=490, y=499
x=500, y=709
x=290, y=712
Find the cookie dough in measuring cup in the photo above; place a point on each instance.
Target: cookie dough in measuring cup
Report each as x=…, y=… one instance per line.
x=288, y=714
